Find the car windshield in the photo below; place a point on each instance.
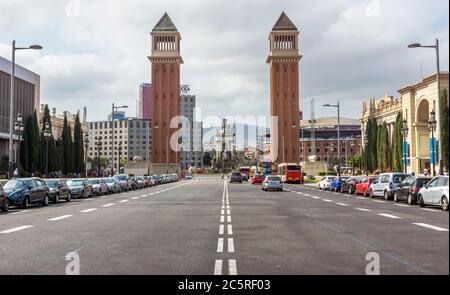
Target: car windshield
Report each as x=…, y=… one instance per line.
x=94, y=181
x=77, y=182
x=420, y=182
x=109, y=180
x=274, y=178
x=236, y=174
x=52, y=183
x=13, y=184
x=121, y=177
x=397, y=178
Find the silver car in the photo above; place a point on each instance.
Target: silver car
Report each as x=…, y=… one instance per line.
x=99, y=186
x=113, y=185
x=435, y=193
x=272, y=182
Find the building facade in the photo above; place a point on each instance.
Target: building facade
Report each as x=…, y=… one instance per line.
x=166, y=61
x=145, y=101
x=26, y=100
x=132, y=141
x=57, y=121
x=416, y=101
x=284, y=60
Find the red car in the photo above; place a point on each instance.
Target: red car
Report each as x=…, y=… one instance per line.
x=258, y=178
x=363, y=187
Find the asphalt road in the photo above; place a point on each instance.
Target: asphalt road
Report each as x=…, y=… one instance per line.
x=206, y=227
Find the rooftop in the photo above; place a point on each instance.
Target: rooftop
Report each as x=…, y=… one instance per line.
x=331, y=122
x=165, y=24
x=284, y=24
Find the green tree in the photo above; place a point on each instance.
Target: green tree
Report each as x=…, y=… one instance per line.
x=372, y=146
x=397, y=156
x=78, y=149
x=35, y=145
x=444, y=132
x=67, y=144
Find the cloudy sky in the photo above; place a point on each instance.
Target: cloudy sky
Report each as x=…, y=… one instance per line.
x=95, y=51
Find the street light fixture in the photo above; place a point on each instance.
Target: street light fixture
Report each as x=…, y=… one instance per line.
x=404, y=131
x=11, y=100
x=114, y=108
x=438, y=82
x=337, y=106
x=18, y=127
x=432, y=127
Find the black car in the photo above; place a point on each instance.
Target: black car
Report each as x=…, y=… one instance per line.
x=25, y=191
x=350, y=185
x=58, y=190
x=236, y=177
x=4, y=203
x=80, y=188
x=408, y=189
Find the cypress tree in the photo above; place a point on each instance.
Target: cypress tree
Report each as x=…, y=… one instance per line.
x=397, y=154
x=444, y=132
x=35, y=151
x=78, y=146
x=65, y=137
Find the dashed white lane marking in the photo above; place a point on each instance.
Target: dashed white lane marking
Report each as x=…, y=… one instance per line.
x=336, y=194
x=230, y=229
x=307, y=195
x=123, y=201
x=60, y=217
x=135, y=198
x=314, y=197
x=20, y=212
x=218, y=267
x=389, y=215
x=343, y=204
x=361, y=198
x=108, y=205
x=143, y=196
x=228, y=219
x=326, y=200
x=403, y=205
x=232, y=269
x=431, y=210
x=8, y=231
x=88, y=210
x=222, y=218
x=363, y=209
x=379, y=201
x=228, y=212
x=230, y=245
x=221, y=228
x=220, y=245
x=431, y=226
x=151, y=194
x=222, y=212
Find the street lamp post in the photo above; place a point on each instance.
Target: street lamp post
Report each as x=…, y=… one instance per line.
x=18, y=127
x=11, y=101
x=86, y=146
x=114, y=108
x=438, y=82
x=47, y=134
x=404, y=130
x=432, y=127
x=339, y=134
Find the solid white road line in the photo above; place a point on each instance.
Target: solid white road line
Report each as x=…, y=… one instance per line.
x=389, y=216
x=361, y=198
x=88, y=210
x=403, y=205
x=230, y=245
x=220, y=245
x=218, y=267
x=20, y=212
x=222, y=218
x=60, y=217
x=108, y=205
x=123, y=201
x=228, y=218
x=431, y=226
x=379, y=201
x=230, y=229
x=221, y=229
x=431, y=210
x=363, y=209
x=8, y=231
x=342, y=204
x=232, y=269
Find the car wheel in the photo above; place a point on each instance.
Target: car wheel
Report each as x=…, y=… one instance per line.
x=444, y=204
x=45, y=201
x=386, y=195
x=421, y=202
x=68, y=199
x=56, y=201
x=5, y=207
x=25, y=203
x=83, y=195
x=396, y=197
x=371, y=194
x=410, y=199
x=342, y=189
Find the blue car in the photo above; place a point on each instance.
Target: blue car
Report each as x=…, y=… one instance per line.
x=336, y=184
x=25, y=191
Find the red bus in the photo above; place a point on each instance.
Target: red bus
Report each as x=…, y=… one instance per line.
x=245, y=171
x=290, y=172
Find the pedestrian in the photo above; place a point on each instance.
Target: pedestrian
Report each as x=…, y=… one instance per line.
x=445, y=171
x=16, y=173
x=425, y=172
x=413, y=174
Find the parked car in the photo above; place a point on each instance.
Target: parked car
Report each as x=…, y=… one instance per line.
x=408, y=189
x=99, y=186
x=350, y=184
x=188, y=176
x=336, y=184
x=325, y=182
x=113, y=185
x=175, y=177
x=140, y=182
x=236, y=177
x=25, y=191
x=124, y=182
x=363, y=186
x=386, y=184
x=435, y=193
x=4, y=203
x=80, y=188
x=257, y=178
x=272, y=182
x=58, y=190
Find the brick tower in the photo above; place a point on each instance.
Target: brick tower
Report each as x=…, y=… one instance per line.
x=166, y=60
x=284, y=91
